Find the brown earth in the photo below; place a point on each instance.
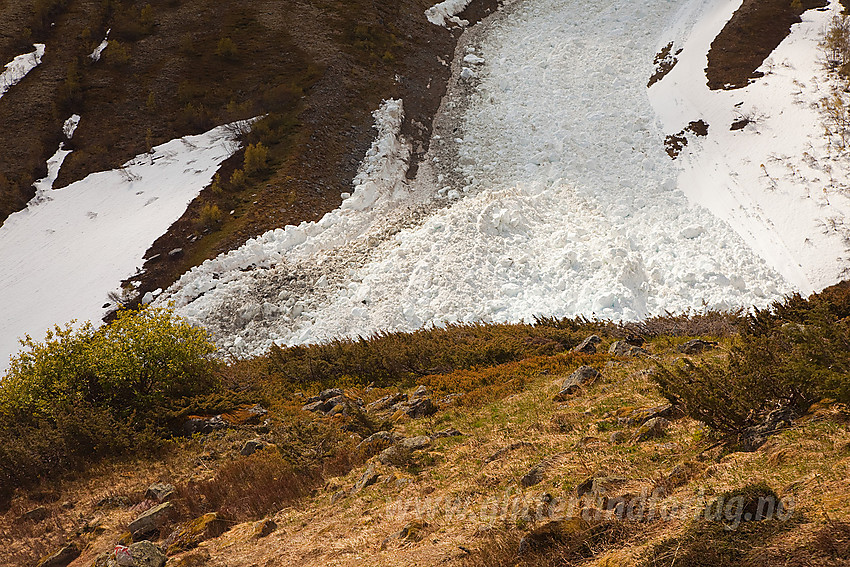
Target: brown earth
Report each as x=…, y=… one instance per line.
x=750, y=36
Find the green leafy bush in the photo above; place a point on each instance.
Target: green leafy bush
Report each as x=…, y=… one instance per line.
x=130, y=366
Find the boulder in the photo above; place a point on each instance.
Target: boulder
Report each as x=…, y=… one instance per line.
x=534, y=475
x=325, y=395
x=251, y=446
x=159, y=491
x=141, y=554
x=151, y=520
x=387, y=402
x=368, y=478
x=419, y=393
x=61, y=558
x=416, y=443
x=655, y=427
x=450, y=432
x=588, y=345
x=199, y=424
x=263, y=528
x=696, y=346
x=421, y=407
x=585, y=375
x=192, y=533
x=376, y=442
x=623, y=348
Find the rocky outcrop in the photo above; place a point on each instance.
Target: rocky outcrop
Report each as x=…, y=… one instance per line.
x=151, y=520
x=588, y=345
x=160, y=492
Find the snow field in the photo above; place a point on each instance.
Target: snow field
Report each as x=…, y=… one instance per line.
x=777, y=181
x=565, y=204
x=62, y=255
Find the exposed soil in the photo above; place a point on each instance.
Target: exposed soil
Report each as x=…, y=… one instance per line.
x=750, y=36
x=675, y=143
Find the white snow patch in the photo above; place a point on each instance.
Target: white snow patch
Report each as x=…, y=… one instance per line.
x=776, y=181
x=447, y=10
x=70, y=126
x=95, y=55
x=61, y=255
x=18, y=68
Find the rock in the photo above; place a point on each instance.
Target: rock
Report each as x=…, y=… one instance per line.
x=371, y=444
x=159, y=491
x=585, y=375
x=141, y=554
x=318, y=405
x=263, y=528
x=450, y=432
x=618, y=437
x=411, y=532
x=553, y=533
x=174, y=252
x=599, y=485
x=151, y=520
x=696, y=346
x=416, y=443
x=38, y=514
x=387, y=402
x=395, y=456
x=419, y=393
x=337, y=496
x=634, y=416
x=681, y=474
x=368, y=478
x=191, y=534
x=198, y=424
x=421, y=407
x=61, y=558
x=588, y=345
x=325, y=395
x=655, y=427
x=534, y=475
x=251, y=446
x=623, y=348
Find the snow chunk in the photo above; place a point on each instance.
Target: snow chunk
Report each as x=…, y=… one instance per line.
x=18, y=68
x=447, y=10
x=95, y=55
x=70, y=126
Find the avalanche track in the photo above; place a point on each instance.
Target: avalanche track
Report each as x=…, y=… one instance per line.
x=548, y=192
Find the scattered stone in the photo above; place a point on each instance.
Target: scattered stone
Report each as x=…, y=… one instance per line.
x=36, y=515
x=623, y=348
x=326, y=395
x=151, y=520
x=534, y=475
x=600, y=485
x=160, y=491
x=696, y=346
x=395, y=456
x=655, y=427
x=318, y=405
x=381, y=440
x=450, y=432
x=585, y=375
x=198, y=424
x=337, y=496
x=421, y=407
x=141, y=554
x=588, y=345
x=368, y=478
x=251, y=446
x=387, y=402
x=264, y=528
x=174, y=252
x=416, y=443
x=61, y=558
x=193, y=533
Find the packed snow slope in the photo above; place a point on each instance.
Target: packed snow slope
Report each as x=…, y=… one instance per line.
x=552, y=195
x=62, y=255
x=776, y=178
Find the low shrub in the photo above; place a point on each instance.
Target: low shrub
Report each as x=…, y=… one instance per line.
x=790, y=356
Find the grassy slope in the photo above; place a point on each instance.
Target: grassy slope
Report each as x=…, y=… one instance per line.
x=808, y=461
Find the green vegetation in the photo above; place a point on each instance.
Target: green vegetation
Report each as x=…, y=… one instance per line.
x=86, y=392
x=790, y=356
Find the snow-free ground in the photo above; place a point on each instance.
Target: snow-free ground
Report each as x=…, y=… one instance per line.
x=552, y=196
x=62, y=255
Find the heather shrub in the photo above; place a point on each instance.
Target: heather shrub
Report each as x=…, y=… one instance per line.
x=790, y=356
x=256, y=156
